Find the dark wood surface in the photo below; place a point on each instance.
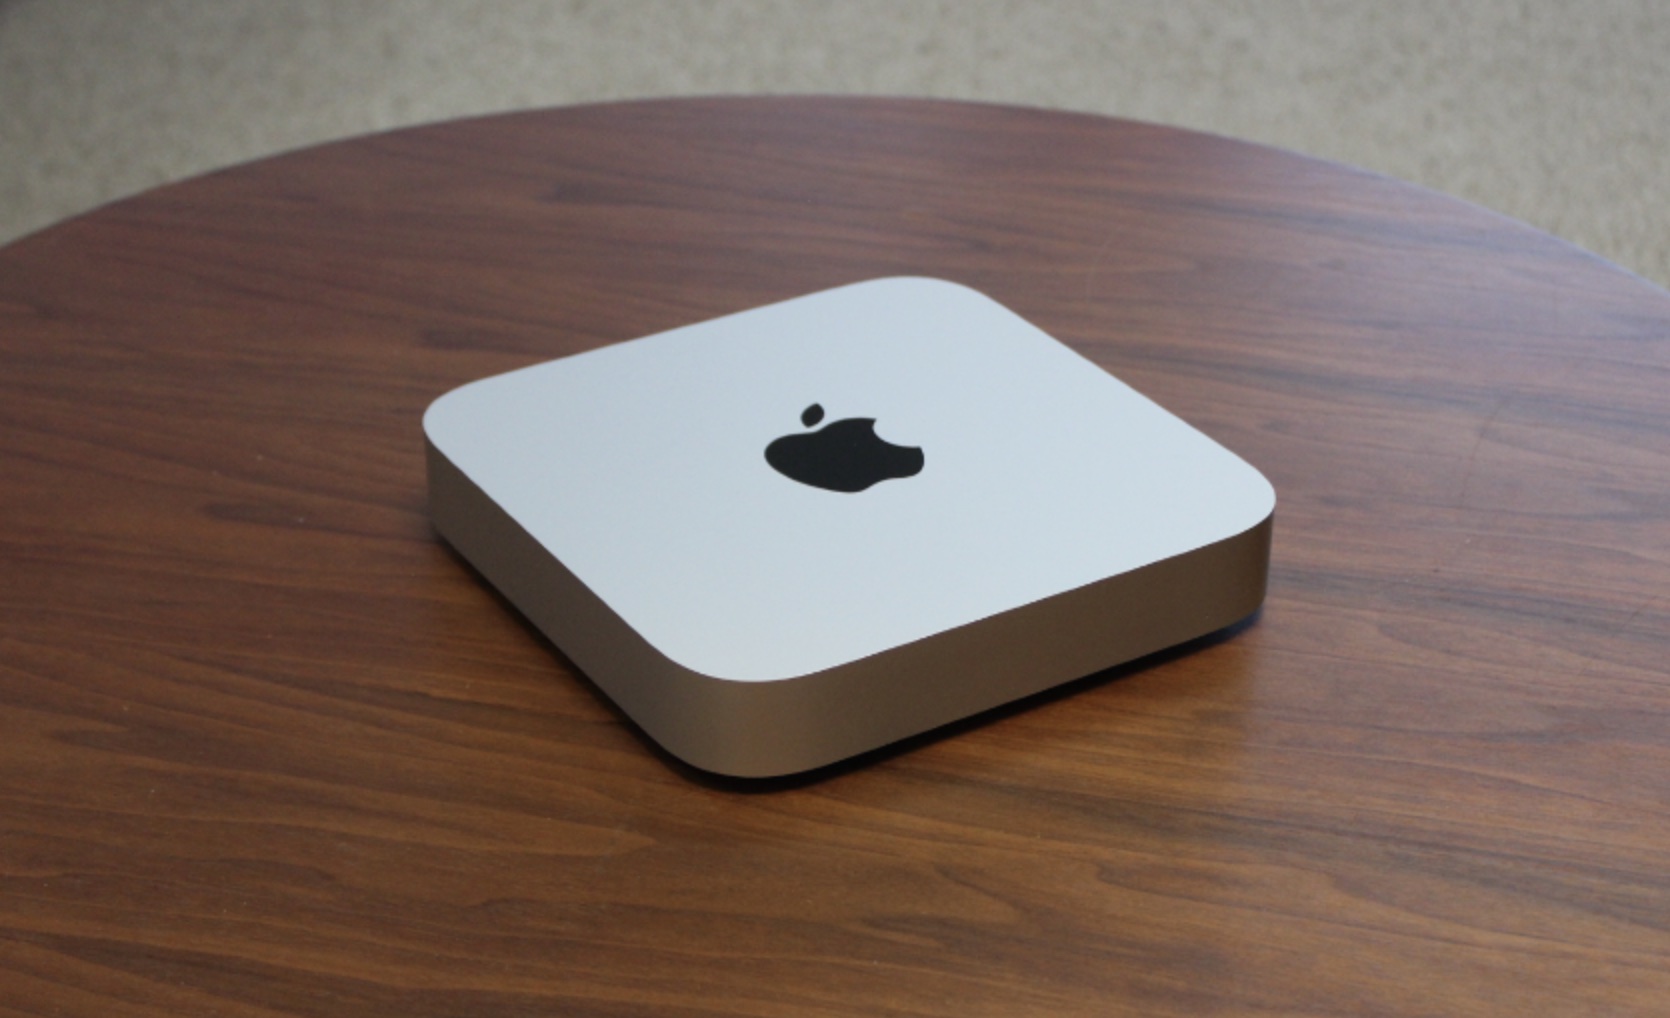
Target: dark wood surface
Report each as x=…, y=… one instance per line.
x=267, y=747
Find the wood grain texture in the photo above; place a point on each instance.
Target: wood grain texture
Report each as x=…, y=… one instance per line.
x=268, y=748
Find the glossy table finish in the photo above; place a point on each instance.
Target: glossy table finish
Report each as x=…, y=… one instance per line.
x=268, y=747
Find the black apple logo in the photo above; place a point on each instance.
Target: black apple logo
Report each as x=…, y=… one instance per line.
x=847, y=455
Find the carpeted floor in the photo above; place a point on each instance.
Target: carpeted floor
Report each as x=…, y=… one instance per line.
x=1556, y=113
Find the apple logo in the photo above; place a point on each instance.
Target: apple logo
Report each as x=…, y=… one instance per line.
x=847, y=455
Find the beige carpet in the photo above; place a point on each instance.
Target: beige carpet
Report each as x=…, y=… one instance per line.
x=1554, y=112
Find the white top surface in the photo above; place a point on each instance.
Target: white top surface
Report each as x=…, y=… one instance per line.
x=641, y=467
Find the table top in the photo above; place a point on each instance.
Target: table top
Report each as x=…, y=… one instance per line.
x=268, y=747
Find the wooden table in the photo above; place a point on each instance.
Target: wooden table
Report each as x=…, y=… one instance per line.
x=268, y=747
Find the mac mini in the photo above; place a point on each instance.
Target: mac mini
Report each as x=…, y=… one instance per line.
x=790, y=535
